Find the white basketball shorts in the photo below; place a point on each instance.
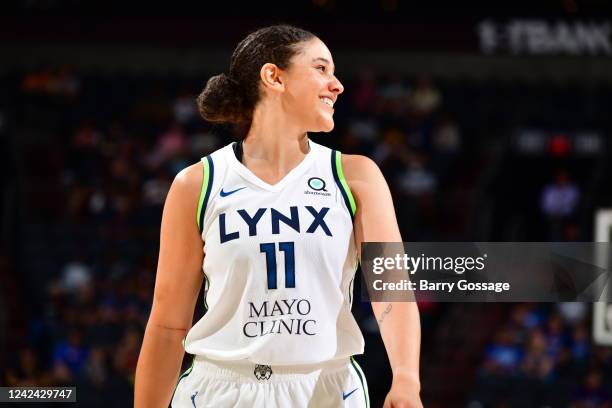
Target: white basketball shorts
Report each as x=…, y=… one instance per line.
x=242, y=384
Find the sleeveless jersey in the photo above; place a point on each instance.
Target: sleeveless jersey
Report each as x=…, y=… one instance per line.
x=279, y=263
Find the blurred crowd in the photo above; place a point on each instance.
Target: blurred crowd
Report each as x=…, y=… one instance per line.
x=542, y=355
x=99, y=152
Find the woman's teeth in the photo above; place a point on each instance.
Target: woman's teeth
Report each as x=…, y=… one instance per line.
x=328, y=102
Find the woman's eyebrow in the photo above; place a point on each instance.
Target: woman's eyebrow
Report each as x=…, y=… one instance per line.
x=325, y=60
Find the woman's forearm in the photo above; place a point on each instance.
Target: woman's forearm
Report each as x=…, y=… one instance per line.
x=159, y=365
x=400, y=329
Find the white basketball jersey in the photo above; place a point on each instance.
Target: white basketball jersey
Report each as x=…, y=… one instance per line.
x=279, y=263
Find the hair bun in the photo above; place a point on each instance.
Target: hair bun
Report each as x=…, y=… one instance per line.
x=221, y=101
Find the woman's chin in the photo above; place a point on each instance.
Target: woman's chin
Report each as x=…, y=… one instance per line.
x=326, y=125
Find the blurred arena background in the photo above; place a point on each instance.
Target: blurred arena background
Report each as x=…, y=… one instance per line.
x=489, y=125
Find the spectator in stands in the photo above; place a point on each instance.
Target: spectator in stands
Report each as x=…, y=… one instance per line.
x=96, y=368
x=580, y=343
x=70, y=354
x=24, y=369
x=170, y=146
x=537, y=363
x=76, y=274
x=366, y=133
x=417, y=180
x=559, y=201
x=446, y=136
x=394, y=98
x=592, y=394
x=554, y=333
x=502, y=357
x=572, y=312
x=185, y=108
x=425, y=98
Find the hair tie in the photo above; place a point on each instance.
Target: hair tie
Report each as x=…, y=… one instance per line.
x=231, y=79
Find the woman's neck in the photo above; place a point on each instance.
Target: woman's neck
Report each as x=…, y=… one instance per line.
x=273, y=147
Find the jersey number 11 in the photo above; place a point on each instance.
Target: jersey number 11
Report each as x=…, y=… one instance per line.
x=270, y=250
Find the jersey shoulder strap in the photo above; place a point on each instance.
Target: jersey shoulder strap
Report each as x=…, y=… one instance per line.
x=336, y=162
x=207, y=182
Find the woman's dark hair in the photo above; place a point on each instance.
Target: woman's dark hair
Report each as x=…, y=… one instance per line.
x=232, y=97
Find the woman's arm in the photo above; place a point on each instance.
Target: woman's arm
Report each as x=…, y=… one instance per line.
x=399, y=322
x=177, y=285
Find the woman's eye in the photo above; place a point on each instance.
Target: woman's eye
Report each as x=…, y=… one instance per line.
x=322, y=66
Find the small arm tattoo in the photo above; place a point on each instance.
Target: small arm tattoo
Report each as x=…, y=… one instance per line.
x=385, y=313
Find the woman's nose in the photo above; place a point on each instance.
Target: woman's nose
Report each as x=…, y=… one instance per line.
x=337, y=86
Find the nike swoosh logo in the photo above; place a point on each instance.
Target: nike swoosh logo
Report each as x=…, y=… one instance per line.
x=226, y=193
x=345, y=396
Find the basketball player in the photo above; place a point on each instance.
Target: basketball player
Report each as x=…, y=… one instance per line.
x=275, y=223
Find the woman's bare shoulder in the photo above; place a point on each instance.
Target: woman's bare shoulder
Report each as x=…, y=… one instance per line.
x=359, y=169
x=181, y=204
x=188, y=181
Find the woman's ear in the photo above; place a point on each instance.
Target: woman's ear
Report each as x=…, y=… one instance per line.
x=270, y=75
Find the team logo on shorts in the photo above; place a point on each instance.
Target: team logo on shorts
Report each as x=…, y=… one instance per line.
x=262, y=372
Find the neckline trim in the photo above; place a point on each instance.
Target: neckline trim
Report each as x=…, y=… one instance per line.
x=249, y=176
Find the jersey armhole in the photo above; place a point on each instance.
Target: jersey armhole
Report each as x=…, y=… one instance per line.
x=207, y=181
x=347, y=195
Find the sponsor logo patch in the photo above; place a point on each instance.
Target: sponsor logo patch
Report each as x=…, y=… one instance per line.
x=317, y=187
